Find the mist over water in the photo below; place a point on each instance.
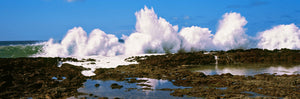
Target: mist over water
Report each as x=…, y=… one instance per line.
x=155, y=34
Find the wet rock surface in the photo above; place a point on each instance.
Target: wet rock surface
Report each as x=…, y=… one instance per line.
x=250, y=56
x=217, y=86
x=174, y=67
x=33, y=77
x=97, y=85
x=238, y=56
x=116, y=86
x=42, y=78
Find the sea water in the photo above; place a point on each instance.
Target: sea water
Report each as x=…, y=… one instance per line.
x=248, y=69
x=130, y=90
x=14, y=49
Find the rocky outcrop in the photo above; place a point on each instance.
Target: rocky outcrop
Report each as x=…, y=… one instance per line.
x=38, y=77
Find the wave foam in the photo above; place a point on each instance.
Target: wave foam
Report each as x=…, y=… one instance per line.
x=153, y=35
x=156, y=35
x=282, y=36
x=231, y=32
x=76, y=43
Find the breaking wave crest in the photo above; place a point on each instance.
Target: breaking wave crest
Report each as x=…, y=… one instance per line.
x=156, y=35
x=14, y=51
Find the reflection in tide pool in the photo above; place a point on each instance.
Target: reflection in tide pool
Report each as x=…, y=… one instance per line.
x=104, y=90
x=247, y=70
x=157, y=84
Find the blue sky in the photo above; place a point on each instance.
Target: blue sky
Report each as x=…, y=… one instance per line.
x=44, y=19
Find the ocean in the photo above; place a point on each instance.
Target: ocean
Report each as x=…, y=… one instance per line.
x=14, y=49
x=17, y=49
x=36, y=74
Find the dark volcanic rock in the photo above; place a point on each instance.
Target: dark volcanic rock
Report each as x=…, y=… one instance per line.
x=240, y=56
x=115, y=86
x=97, y=85
x=209, y=85
x=174, y=67
x=237, y=56
x=32, y=77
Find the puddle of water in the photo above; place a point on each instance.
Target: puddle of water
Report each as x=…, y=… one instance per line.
x=222, y=88
x=160, y=84
x=54, y=78
x=62, y=78
x=129, y=90
x=247, y=70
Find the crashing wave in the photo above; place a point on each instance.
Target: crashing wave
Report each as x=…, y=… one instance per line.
x=156, y=35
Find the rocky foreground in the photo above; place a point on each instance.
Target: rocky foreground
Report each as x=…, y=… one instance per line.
x=42, y=78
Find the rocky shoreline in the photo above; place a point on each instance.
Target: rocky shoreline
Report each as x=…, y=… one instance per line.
x=209, y=85
x=42, y=78
x=38, y=78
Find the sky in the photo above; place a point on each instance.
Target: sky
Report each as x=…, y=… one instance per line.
x=44, y=19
